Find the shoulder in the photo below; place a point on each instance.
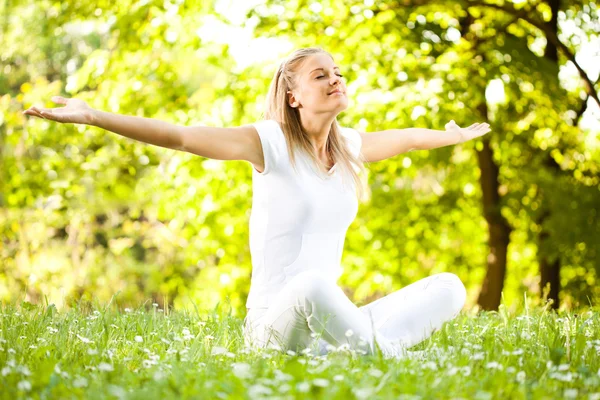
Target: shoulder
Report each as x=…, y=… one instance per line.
x=271, y=145
x=353, y=136
x=267, y=126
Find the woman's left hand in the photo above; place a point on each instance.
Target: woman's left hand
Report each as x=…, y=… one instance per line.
x=471, y=132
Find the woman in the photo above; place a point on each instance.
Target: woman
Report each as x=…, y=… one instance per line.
x=305, y=177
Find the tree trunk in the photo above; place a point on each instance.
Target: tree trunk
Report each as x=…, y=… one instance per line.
x=549, y=270
x=499, y=230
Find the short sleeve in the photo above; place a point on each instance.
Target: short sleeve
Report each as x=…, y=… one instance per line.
x=270, y=136
x=354, y=139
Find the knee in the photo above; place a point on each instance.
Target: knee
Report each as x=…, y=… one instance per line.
x=313, y=286
x=456, y=289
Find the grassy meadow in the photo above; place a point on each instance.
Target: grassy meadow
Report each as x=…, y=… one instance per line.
x=95, y=352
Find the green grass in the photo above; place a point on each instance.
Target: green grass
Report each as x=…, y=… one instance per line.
x=145, y=354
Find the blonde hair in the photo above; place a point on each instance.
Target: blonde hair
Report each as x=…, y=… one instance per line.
x=277, y=108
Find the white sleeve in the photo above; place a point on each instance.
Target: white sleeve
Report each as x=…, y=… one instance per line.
x=354, y=139
x=269, y=134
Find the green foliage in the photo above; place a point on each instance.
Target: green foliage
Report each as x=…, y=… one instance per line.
x=85, y=213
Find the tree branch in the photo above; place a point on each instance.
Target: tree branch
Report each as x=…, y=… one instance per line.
x=550, y=36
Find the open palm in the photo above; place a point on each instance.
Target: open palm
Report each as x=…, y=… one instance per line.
x=76, y=111
x=470, y=132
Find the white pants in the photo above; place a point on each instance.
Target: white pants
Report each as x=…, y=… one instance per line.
x=312, y=312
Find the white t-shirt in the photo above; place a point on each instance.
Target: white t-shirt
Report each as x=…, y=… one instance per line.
x=299, y=219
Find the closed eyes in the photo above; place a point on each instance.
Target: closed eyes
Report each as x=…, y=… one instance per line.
x=322, y=76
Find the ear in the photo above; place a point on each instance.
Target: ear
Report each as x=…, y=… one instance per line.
x=292, y=101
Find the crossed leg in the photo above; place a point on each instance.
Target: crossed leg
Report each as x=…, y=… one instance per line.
x=411, y=314
x=310, y=305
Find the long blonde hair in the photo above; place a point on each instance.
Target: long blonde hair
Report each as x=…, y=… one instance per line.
x=278, y=109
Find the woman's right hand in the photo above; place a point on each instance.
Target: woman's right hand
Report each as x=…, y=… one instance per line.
x=76, y=111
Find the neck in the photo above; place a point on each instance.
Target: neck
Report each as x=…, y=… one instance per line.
x=317, y=128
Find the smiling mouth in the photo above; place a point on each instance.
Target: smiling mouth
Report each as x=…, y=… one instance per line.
x=336, y=92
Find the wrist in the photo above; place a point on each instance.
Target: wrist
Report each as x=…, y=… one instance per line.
x=461, y=138
x=93, y=117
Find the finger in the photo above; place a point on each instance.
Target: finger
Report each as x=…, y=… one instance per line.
x=33, y=113
x=48, y=114
x=59, y=99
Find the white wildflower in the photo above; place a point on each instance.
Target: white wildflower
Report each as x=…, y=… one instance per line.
x=521, y=376
x=291, y=352
x=117, y=391
x=478, y=356
x=80, y=382
x=285, y=388
x=139, y=339
x=338, y=378
x=24, y=370
x=349, y=333
x=466, y=371
x=5, y=371
x=85, y=340
x=128, y=310
x=259, y=390
x=564, y=367
x=571, y=393
x=568, y=377
x=282, y=376
x=105, y=367
x=320, y=382
x=494, y=365
x=374, y=372
x=511, y=370
x=158, y=375
x=218, y=350
x=24, y=386
x=303, y=387
x=242, y=370
x=430, y=365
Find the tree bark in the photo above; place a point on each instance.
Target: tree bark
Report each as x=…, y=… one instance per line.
x=499, y=230
x=549, y=270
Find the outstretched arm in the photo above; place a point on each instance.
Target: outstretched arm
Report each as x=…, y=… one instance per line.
x=237, y=143
x=147, y=130
x=382, y=145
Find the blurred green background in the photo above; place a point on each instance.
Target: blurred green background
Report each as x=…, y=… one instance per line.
x=85, y=213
